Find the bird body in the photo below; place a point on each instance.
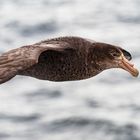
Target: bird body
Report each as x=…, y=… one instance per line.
x=70, y=63
x=63, y=59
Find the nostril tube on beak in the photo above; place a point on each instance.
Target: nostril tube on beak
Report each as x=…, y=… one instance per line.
x=127, y=55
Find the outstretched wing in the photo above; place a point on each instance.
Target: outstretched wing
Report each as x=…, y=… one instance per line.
x=22, y=58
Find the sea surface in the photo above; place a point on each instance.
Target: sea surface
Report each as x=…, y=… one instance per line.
x=105, y=107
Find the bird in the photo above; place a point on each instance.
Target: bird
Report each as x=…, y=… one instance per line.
x=65, y=58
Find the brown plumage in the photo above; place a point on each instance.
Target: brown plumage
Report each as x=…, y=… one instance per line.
x=63, y=59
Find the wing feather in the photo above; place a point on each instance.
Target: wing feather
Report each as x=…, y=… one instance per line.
x=24, y=57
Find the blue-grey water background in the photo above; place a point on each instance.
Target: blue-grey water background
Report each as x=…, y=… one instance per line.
x=106, y=107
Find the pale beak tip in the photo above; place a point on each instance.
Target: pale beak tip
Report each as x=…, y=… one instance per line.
x=136, y=74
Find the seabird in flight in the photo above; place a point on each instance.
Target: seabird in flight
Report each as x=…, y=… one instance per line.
x=64, y=59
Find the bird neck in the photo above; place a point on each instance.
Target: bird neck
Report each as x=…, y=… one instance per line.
x=95, y=64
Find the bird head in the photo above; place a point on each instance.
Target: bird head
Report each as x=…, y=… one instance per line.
x=109, y=56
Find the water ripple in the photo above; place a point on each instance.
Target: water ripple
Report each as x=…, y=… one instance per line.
x=20, y=119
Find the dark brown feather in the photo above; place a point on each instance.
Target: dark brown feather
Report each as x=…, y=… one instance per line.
x=59, y=59
x=67, y=62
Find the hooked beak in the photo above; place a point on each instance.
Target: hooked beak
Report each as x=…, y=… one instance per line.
x=126, y=65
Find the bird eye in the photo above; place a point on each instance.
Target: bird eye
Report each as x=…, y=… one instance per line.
x=115, y=54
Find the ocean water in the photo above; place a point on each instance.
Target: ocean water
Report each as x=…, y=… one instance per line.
x=105, y=107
